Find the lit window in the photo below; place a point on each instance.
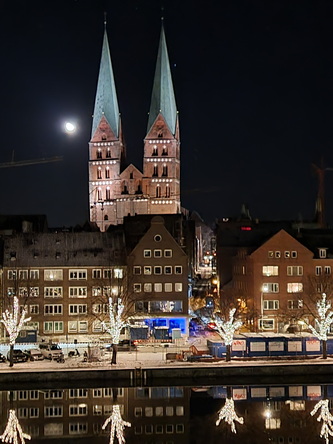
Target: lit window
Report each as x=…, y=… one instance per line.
x=147, y=269
x=270, y=270
x=146, y=253
x=137, y=288
x=294, y=287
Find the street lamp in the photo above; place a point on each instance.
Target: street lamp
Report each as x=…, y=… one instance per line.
x=264, y=289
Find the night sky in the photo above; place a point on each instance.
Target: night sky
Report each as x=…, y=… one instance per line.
x=253, y=83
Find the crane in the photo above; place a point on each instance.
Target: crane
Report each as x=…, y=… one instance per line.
x=320, y=204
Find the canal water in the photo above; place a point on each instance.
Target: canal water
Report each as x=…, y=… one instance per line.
x=244, y=414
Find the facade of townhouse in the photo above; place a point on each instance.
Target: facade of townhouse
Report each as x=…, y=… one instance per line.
x=159, y=275
x=274, y=274
x=64, y=280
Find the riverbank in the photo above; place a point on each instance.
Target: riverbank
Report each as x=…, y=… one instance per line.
x=145, y=369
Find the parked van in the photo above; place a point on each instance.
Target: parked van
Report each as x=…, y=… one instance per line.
x=50, y=351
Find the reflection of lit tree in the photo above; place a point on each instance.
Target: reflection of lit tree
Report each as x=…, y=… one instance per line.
x=13, y=321
x=13, y=432
x=323, y=323
x=229, y=415
x=326, y=417
x=226, y=329
x=117, y=425
x=115, y=324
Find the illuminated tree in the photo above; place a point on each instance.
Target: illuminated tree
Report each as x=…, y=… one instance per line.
x=14, y=321
x=13, y=432
x=117, y=425
x=323, y=322
x=326, y=417
x=226, y=329
x=228, y=414
x=115, y=324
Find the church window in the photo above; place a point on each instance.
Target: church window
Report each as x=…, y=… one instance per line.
x=165, y=170
x=99, y=194
x=99, y=153
x=131, y=175
x=139, y=190
x=125, y=190
x=158, y=191
x=103, y=136
x=107, y=173
x=165, y=151
x=154, y=153
x=155, y=171
x=108, y=153
x=99, y=173
x=160, y=133
x=167, y=191
x=108, y=194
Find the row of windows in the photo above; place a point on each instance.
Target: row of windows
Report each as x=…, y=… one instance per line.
x=73, y=326
x=274, y=304
x=157, y=269
x=57, y=411
x=158, y=287
x=159, y=411
x=274, y=287
x=56, y=309
x=159, y=306
x=73, y=274
x=297, y=270
x=157, y=253
x=286, y=254
x=57, y=292
x=33, y=395
x=159, y=429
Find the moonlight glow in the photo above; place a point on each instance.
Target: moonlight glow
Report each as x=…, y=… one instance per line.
x=70, y=127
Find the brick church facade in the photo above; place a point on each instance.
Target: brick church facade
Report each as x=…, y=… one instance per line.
x=118, y=189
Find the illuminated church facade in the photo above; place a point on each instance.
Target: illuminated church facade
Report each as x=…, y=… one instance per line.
x=118, y=189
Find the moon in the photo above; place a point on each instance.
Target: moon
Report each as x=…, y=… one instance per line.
x=70, y=127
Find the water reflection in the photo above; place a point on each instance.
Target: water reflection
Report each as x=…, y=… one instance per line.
x=278, y=414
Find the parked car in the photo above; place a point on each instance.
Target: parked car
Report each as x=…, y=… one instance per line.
x=124, y=345
x=50, y=351
x=18, y=356
x=34, y=354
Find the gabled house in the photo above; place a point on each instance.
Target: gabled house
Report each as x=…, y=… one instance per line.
x=158, y=275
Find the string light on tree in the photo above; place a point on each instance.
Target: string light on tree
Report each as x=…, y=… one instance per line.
x=115, y=324
x=13, y=433
x=14, y=321
x=117, y=425
x=326, y=417
x=323, y=323
x=226, y=329
x=228, y=414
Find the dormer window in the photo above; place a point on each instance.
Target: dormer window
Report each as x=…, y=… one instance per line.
x=322, y=253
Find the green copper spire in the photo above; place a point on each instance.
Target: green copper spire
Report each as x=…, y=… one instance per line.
x=163, y=98
x=106, y=102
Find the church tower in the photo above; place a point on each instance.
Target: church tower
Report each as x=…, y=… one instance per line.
x=161, y=161
x=116, y=191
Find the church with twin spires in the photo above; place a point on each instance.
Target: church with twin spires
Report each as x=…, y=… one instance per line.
x=117, y=189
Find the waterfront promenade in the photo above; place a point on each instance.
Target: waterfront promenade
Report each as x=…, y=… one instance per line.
x=150, y=366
